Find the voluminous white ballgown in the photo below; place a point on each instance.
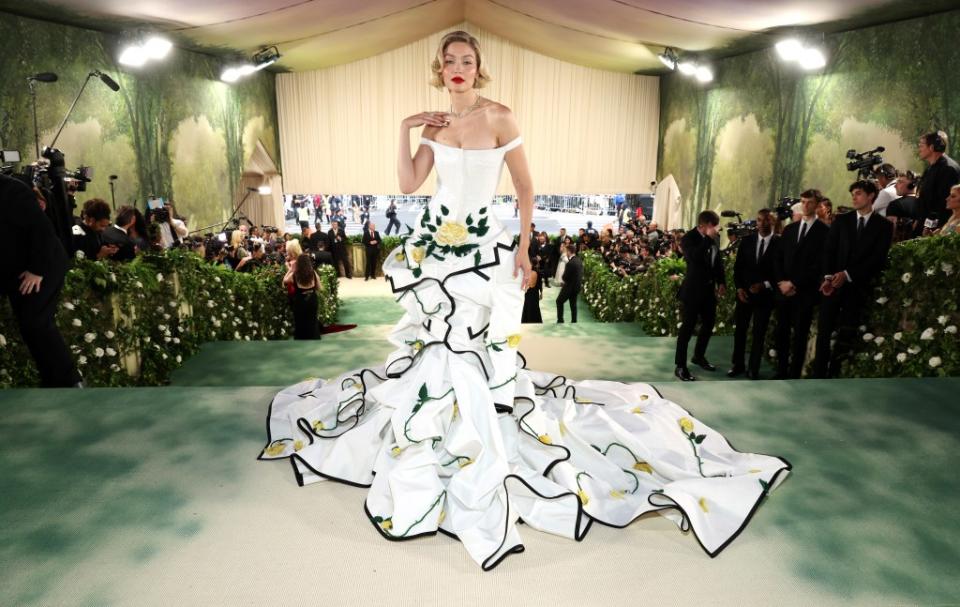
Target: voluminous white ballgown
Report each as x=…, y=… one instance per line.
x=451, y=434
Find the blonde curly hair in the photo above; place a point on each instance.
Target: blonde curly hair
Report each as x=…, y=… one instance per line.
x=436, y=80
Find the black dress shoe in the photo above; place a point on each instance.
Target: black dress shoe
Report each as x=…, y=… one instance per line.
x=683, y=374
x=753, y=375
x=734, y=372
x=703, y=363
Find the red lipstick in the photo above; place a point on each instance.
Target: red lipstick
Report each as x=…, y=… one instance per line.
x=457, y=79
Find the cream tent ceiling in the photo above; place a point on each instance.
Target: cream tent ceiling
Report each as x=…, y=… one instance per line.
x=619, y=35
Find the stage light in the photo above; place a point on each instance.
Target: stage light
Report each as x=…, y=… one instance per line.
x=668, y=58
x=261, y=59
x=265, y=190
x=133, y=56
x=157, y=47
x=704, y=74
x=266, y=57
x=687, y=68
x=812, y=59
x=230, y=75
x=790, y=49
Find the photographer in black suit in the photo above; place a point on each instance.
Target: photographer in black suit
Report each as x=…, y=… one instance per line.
x=371, y=247
x=798, y=271
x=755, y=278
x=118, y=234
x=703, y=282
x=86, y=234
x=337, y=239
x=572, y=280
x=942, y=173
x=33, y=265
x=854, y=255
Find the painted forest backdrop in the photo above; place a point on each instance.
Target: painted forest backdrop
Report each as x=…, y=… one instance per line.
x=173, y=129
x=764, y=129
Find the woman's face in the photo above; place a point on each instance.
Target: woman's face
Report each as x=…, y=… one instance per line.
x=459, y=67
x=953, y=200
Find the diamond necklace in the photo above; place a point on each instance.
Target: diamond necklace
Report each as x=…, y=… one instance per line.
x=466, y=111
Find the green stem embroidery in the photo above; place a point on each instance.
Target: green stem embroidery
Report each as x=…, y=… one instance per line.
x=417, y=297
x=422, y=399
x=514, y=378
x=415, y=523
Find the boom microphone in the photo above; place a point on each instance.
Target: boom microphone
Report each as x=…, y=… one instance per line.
x=107, y=80
x=43, y=77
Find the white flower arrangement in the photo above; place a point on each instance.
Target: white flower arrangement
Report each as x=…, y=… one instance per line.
x=109, y=334
x=879, y=340
x=868, y=337
x=952, y=329
x=901, y=357
x=76, y=322
x=898, y=336
x=935, y=362
x=927, y=334
x=111, y=352
x=942, y=319
x=89, y=337
x=906, y=277
x=878, y=356
x=99, y=352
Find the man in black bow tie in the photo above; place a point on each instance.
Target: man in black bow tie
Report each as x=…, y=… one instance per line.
x=702, y=283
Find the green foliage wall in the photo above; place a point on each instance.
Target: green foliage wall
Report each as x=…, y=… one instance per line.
x=764, y=129
x=173, y=129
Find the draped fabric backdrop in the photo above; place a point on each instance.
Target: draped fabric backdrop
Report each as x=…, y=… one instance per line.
x=585, y=130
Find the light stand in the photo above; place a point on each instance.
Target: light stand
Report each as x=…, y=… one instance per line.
x=113, y=199
x=106, y=80
x=36, y=129
x=232, y=215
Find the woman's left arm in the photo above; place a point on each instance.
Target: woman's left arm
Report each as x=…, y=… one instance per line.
x=508, y=130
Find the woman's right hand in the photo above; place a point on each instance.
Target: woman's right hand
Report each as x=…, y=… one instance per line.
x=437, y=119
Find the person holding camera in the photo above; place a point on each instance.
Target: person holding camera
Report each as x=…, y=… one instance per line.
x=33, y=265
x=172, y=229
x=797, y=268
x=95, y=218
x=854, y=255
x=337, y=238
x=755, y=279
x=886, y=177
x=119, y=234
x=703, y=282
x=941, y=174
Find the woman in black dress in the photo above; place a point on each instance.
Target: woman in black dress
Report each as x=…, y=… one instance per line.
x=531, y=300
x=302, y=283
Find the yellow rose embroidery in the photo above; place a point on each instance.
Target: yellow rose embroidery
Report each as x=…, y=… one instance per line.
x=643, y=467
x=318, y=425
x=417, y=345
x=563, y=429
x=686, y=424
x=297, y=445
x=755, y=471
x=443, y=515
x=456, y=410
x=418, y=254
x=583, y=497
x=582, y=401
x=703, y=504
x=545, y=439
x=637, y=410
x=400, y=256
x=387, y=525
x=465, y=462
x=395, y=452
x=451, y=234
x=513, y=341
x=644, y=397
x=617, y=495
x=275, y=449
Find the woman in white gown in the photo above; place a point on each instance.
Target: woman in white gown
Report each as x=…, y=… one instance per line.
x=453, y=433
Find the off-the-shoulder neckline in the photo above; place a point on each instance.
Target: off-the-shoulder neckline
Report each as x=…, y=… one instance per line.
x=453, y=147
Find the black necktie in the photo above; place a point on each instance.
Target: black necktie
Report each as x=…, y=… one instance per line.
x=860, y=222
x=763, y=243
x=803, y=231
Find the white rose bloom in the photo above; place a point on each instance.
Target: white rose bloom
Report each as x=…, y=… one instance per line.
x=878, y=356
x=772, y=353
x=95, y=310
x=901, y=357
x=166, y=317
x=113, y=277
x=935, y=362
x=913, y=349
x=68, y=305
x=246, y=338
x=216, y=279
x=146, y=339
x=927, y=334
x=179, y=358
x=929, y=271
x=76, y=322
x=166, y=339
x=951, y=329
x=236, y=334
x=80, y=254
x=898, y=335
x=240, y=307
x=114, y=367
x=139, y=284
x=209, y=303
x=159, y=277
x=879, y=341
x=89, y=337
x=862, y=327
x=111, y=352
x=906, y=277
x=164, y=356
x=947, y=268
x=942, y=319
x=82, y=360
x=3, y=340
x=109, y=334
x=868, y=337
x=882, y=300
x=99, y=353
x=176, y=340
x=162, y=327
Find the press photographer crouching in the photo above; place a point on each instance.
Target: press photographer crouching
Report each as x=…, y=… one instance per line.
x=33, y=264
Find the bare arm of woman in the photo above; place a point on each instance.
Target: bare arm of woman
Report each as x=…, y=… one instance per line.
x=413, y=171
x=508, y=130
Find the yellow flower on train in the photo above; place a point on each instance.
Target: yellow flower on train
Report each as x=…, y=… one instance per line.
x=703, y=504
x=387, y=525
x=637, y=410
x=617, y=495
x=582, y=401
x=463, y=463
x=418, y=254
x=513, y=340
x=297, y=445
x=583, y=497
x=443, y=515
x=643, y=467
x=563, y=429
x=686, y=424
x=400, y=256
x=644, y=397
x=456, y=410
x=451, y=234
x=318, y=425
x=417, y=345
x=755, y=471
x=275, y=449
x=395, y=452
x=545, y=439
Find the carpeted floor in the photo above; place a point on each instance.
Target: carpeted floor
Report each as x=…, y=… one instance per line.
x=153, y=496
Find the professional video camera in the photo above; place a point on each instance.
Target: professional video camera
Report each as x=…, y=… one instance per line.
x=784, y=208
x=863, y=162
x=739, y=228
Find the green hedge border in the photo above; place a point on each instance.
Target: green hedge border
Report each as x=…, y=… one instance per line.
x=156, y=311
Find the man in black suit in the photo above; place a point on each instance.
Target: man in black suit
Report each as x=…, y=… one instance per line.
x=317, y=237
x=371, y=246
x=942, y=173
x=117, y=235
x=754, y=277
x=86, y=234
x=798, y=271
x=393, y=223
x=703, y=282
x=33, y=264
x=337, y=239
x=572, y=280
x=854, y=255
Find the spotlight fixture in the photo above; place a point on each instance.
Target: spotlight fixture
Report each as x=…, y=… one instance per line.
x=812, y=59
x=668, y=58
x=704, y=74
x=261, y=59
x=687, y=68
x=808, y=57
x=265, y=190
x=143, y=48
x=789, y=49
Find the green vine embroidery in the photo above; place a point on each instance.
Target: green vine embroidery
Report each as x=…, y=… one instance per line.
x=695, y=439
x=422, y=398
x=386, y=524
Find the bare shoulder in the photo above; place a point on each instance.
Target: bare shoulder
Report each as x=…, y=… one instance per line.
x=430, y=132
x=503, y=122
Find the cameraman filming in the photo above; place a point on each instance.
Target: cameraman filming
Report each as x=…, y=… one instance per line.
x=172, y=229
x=33, y=264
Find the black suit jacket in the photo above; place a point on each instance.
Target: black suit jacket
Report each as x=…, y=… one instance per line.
x=367, y=237
x=29, y=242
x=337, y=248
x=704, y=266
x=748, y=270
x=125, y=246
x=316, y=238
x=801, y=262
x=573, y=275
x=862, y=257
x=935, y=186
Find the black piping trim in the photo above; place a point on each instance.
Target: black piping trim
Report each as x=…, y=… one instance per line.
x=478, y=333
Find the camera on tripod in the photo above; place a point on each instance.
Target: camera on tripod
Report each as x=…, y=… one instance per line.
x=863, y=162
